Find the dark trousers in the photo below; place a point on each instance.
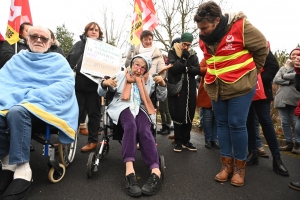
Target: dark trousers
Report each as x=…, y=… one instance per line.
x=164, y=112
x=182, y=133
x=262, y=110
x=89, y=102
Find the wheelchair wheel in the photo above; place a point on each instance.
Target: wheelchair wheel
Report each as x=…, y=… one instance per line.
x=66, y=152
x=54, y=176
x=90, y=164
x=105, y=150
x=162, y=166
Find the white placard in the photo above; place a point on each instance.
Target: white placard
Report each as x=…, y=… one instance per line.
x=100, y=59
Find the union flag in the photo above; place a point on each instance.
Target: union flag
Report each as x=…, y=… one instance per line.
x=19, y=13
x=144, y=18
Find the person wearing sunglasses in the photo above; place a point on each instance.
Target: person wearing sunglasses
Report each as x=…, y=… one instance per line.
x=182, y=105
x=234, y=51
x=36, y=85
x=7, y=50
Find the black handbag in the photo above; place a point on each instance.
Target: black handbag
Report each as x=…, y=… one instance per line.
x=174, y=89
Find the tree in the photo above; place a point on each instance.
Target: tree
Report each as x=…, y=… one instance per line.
x=176, y=17
x=65, y=38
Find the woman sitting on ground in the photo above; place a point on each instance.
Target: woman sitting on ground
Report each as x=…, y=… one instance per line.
x=131, y=107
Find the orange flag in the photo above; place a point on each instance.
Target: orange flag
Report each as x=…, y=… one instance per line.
x=19, y=13
x=144, y=18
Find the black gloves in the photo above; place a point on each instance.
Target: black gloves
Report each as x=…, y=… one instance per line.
x=185, y=54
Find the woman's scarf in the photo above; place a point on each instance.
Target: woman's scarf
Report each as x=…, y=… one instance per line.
x=140, y=82
x=147, y=51
x=218, y=33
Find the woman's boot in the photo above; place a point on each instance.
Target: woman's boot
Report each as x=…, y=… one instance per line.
x=226, y=169
x=252, y=158
x=238, y=173
x=279, y=167
x=166, y=131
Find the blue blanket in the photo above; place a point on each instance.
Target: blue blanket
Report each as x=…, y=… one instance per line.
x=44, y=85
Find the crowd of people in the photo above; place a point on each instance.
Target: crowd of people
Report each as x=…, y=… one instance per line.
x=237, y=59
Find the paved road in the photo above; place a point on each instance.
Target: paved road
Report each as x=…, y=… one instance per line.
x=189, y=175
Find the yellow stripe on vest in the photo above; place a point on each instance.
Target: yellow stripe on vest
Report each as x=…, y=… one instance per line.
x=234, y=56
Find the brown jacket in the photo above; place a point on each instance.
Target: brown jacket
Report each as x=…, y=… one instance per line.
x=256, y=43
x=203, y=99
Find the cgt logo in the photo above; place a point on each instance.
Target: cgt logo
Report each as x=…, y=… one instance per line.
x=229, y=39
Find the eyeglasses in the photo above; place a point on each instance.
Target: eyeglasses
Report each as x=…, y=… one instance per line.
x=142, y=68
x=42, y=38
x=185, y=44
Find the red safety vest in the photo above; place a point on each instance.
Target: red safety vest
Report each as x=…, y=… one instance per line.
x=232, y=61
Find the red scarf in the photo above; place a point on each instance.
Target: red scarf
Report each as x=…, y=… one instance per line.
x=140, y=81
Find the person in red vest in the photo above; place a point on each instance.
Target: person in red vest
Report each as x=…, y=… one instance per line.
x=234, y=51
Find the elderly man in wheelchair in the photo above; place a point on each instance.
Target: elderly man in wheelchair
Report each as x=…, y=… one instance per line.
x=35, y=84
x=132, y=108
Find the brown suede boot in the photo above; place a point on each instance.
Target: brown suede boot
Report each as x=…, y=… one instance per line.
x=239, y=173
x=226, y=169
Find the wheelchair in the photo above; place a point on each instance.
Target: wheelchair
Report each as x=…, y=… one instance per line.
x=115, y=132
x=66, y=152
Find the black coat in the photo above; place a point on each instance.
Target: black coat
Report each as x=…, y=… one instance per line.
x=270, y=69
x=182, y=106
x=82, y=83
x=57, y=49
x=7, y=51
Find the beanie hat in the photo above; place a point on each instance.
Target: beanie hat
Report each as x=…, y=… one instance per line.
x=297, y=48
x=147, y=59
x=187, y=37
x=176, y=40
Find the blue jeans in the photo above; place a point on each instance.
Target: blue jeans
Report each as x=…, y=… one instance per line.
x=17, y=142
x=231, y=116
x=261, y=109
x=297, y=128
x=287, y=117
x=201, y=116
x=258, y=140
x=209, y=125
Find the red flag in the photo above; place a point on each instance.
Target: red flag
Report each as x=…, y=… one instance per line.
x=144, y=18
x=1, y=37
x=19, y=13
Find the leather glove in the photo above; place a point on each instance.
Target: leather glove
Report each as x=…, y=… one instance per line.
x=185, y=54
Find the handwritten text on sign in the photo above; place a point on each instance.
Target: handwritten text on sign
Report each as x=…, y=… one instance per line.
x=101, y=59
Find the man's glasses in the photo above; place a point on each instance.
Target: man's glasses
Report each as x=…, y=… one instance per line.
x=186, y=44
x=42, y=38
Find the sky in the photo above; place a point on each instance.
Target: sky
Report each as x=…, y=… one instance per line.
x=277, y=20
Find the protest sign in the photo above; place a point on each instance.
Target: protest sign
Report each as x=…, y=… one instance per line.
x=100, y=59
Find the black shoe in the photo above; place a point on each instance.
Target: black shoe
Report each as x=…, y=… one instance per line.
x=215, y=144
x=207, y=144
x=163, y=128
x=166, y=131
x=178, y=148
x=252, y=158
x=6, y=178
x=288, y=147
x=152, y=185
x=172, y=128
x=17, y=189
x=131, y=186
x=189, y=146
x=278, y=166
x=295, y=185
x=296, y=149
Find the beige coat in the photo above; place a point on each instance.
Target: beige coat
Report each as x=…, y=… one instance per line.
x=256, y=43
x=158, y=62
